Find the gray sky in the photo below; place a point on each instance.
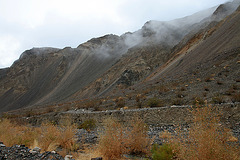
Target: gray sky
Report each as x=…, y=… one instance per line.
x=59, y=23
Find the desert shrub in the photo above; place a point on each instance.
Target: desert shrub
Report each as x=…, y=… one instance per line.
x=219, y=82
x=7, y=115
x=235, y=87
x=111, y=144
x=198, y=101
x=177, y=101
x=29, y=113
x=206, y=139
x=154, y=102
x=48, y=136
x=120, y=102
x=163, y=89
x=50, y=109
x=179, y=95
x=208, y=79
x=66, y=108
x=218, y=99
x=88, y=124
x=138, y=98
x=90, y=104
x=68, y=140
x=138, y=142
x=163, y=152
x=11, y=134
x=229, y=92
x=183, y=89
x=97, y=108
x=119, y=139
x=204, y=94
x=236, y=97
x=139, y=104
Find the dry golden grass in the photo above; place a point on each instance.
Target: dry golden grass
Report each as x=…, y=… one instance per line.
x=118, y=139
x=12, y=134
x=87, y=153
x=206, y=139
x=48, y=136
x=111, y=144
x=137, y=140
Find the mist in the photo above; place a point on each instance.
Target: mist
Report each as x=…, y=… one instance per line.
x=153, y=32
x=168, y=33
x=41, y=23
x=171, y=32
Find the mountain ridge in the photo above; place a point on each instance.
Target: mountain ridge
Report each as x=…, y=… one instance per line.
x=109, y=64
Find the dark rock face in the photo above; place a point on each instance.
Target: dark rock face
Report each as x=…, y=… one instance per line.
x=19, y=152
x=128, y=77
x=3, y=73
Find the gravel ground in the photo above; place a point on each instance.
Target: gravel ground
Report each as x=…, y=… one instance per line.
x=20, y=152
x=91, y=137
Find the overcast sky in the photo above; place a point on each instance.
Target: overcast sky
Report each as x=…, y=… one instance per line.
x=25, y=24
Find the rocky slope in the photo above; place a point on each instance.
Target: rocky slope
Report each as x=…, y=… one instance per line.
x=43, y=74
x=154, y=48
x=128, y=64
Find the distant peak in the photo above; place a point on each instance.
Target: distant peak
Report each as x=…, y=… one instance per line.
x=99, y=40
x=227, y=8
x=220, y=10
x=38, y=51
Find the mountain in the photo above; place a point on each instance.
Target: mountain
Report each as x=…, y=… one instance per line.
x=47, y=74
x=202, y=47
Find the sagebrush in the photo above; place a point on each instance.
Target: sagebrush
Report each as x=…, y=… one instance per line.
x=205, y=139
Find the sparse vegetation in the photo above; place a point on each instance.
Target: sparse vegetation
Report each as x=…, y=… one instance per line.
x=154, y=102
x=179, y=95
x=218, y=99
x=138, y=142
x=163, y=89
x=236, y=97
x=88, y=124
x=163, y=152
x=208, y=79
x=206, y=139
x=119, y=139
x=183, y=89
x=111, y=144
x=48, y=136
x=198, y=101
x=219, y=82
x=177, y=101
x=120, y=102
x=11, y=133
x=167, y=70
x=229, y=92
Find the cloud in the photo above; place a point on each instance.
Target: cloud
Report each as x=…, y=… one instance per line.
x=60, y=23
x=8, y=48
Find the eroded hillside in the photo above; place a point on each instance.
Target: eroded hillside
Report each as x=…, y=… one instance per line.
x=176, y=61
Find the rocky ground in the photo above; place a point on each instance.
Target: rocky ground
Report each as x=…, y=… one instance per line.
x=91, y=137
x=20, y=152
